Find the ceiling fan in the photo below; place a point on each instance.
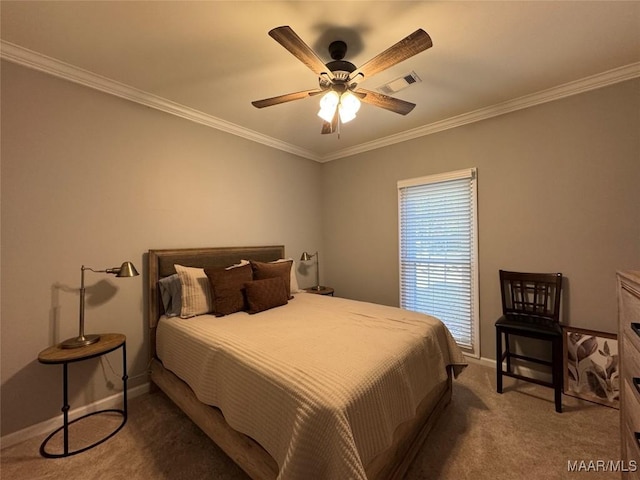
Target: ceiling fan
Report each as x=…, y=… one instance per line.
x=339, y=79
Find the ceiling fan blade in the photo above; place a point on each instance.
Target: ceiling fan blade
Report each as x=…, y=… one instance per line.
x=409, y=46
x=286, y=37
x=330, y=127
x=267, y=102
x=388, y=103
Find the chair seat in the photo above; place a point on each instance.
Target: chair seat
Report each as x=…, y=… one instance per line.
x=530, y=324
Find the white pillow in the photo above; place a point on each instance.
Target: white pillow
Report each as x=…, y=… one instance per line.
x=236, y=265
x=196, y=291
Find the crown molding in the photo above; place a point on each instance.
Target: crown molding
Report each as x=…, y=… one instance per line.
x=28, y=58
x=600, y=80
x=37, y=61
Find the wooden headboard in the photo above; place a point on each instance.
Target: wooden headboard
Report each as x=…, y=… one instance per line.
x=161, y=264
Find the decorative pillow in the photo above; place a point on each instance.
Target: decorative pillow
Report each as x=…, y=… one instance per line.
x=294, y=278
x=171, y=295
x=196, y=291
x=293, y=281
x=263, y=271
x=265, y=294
x=227, y=287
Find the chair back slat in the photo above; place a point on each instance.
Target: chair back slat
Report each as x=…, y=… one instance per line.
x=536, y=294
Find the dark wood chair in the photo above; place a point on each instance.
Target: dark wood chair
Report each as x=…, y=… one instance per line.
x=530, y=308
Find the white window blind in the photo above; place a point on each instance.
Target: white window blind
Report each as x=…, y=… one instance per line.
x=438, y=251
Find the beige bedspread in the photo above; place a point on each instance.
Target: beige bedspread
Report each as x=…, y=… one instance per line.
x=320, y=383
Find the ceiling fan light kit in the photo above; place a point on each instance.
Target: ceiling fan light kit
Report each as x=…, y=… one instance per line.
x=347, y=105
x=338, y=80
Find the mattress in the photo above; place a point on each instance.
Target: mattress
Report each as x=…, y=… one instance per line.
x=321, y=383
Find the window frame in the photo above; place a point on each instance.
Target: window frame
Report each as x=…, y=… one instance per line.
x=471, y=174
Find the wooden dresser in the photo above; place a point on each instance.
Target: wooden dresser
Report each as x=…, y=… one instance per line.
x=629, y=347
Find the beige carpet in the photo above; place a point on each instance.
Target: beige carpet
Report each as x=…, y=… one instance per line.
x=516, y=435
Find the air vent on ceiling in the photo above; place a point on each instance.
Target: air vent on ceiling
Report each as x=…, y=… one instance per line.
x=399, y=83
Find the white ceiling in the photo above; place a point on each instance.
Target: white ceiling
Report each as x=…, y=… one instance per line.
x=208, y=60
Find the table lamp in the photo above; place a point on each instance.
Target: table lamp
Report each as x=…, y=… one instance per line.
x=305, y=258
x=125, y=270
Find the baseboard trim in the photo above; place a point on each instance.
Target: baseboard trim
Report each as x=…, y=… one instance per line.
x=518, y=368
x=113, y=401
x=485, y=362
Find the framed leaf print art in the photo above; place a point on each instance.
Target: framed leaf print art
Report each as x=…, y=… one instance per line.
x=591, y=366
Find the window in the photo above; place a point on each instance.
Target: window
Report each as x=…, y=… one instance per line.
x=438, y=251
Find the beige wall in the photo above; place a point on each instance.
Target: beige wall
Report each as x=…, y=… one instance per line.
x=91, y=179
x=558, y=190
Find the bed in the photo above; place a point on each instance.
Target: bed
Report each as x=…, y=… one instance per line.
x=286, y=393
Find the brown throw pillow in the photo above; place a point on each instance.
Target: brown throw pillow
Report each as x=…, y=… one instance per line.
x=265, y=294
x=227, y=288
x=282, y=270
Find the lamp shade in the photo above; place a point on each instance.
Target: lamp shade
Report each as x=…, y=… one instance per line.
x=349, y=106
x=328, y=105
x=127, y=269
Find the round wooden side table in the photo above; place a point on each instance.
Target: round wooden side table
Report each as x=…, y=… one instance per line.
x=320, y=291
x=56, y=355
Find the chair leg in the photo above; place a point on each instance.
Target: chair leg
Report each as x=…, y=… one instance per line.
x=507, y=351
x=557, y=372
x=499, y=360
